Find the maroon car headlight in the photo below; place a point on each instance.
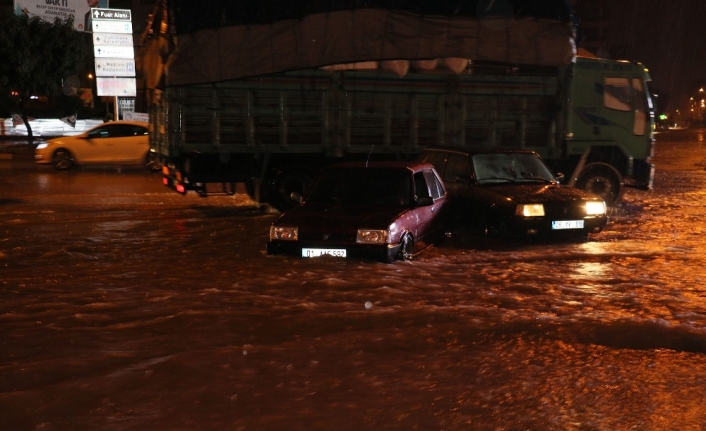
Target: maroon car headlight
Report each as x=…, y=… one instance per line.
x=530, y=210
x=284, y=233
x=372, y=236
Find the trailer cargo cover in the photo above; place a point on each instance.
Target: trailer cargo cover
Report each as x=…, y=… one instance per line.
x=209, y=53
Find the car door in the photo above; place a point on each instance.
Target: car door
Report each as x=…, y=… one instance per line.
x=430, y=217
x=133, y=146
x=126, y=143
x=101, y=143
x=91, y=148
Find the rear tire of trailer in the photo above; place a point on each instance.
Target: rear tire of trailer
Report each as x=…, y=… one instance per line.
x=293, y=180
x=253, y=188
x=603, y=180
x=152, y=162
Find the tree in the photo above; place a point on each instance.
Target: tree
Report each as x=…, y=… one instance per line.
x=36, y=56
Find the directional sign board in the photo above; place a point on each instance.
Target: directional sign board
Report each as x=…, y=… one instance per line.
x=114, y=55
x=115, y=67
x=123, y=87
x=112, y=39
x=112, y=27
x=113, y=52
x=111, y=14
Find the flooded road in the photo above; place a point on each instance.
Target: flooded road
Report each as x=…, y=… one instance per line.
x=128, y=307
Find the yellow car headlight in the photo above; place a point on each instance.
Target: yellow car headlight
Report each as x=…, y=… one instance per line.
x=284, y=233
x=372, y=236
x=595, y=208
x=530, y=210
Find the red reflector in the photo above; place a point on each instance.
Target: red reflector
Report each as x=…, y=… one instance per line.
x=165, y=181
x=180, y=188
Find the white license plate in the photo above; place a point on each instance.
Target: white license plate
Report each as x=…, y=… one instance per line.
x=567, y=224
x=317, y=252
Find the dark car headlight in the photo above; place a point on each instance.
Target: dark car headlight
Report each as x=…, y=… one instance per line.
x=372, y=236
x=284, y=233
x=595, y=208
x=530, y=210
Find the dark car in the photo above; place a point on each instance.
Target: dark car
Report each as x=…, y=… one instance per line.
x=513, y=192
x=379, y=210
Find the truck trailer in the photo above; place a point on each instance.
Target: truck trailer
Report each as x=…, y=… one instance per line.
x=385, y=83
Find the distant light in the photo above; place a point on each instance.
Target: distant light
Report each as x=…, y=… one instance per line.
x=663, y=116
x=34, y=97
x=701, y=90
x=90, y=76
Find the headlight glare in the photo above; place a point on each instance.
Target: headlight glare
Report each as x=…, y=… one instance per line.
x=372, y=236
x=284, y=233
x=530, y=210
x=595, y=208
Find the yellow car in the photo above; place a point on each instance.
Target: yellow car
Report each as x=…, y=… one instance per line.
x=112, y=143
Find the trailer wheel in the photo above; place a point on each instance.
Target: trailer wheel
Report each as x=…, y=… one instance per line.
x=603, y=180
x=152, y=162
x=294, y=180
x=252, y=188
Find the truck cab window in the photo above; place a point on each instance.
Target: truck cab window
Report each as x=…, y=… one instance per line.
x=640, y=123
x=617, y=94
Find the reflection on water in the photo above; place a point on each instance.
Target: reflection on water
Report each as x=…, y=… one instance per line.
x=588, y=271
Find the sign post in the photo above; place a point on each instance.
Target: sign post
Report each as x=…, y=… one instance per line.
x=114, y=57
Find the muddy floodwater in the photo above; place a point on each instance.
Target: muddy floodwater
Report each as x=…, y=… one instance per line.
x=124, y=306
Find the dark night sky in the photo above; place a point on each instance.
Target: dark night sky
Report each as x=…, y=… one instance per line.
x=669, y=37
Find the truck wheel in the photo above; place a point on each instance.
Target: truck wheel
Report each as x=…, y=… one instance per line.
x=62, y=159
x=603, y=180
x=295, y=180
x=252, y=188
x=152, y=162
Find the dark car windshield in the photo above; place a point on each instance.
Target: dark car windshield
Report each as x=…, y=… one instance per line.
x=510, y=167
x=362, y=186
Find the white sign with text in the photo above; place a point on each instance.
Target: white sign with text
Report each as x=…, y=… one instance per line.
x=112, y=39
x=122, y=87
x=115, y=67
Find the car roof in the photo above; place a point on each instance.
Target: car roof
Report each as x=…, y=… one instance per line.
x=411, y=165
x=129, y=123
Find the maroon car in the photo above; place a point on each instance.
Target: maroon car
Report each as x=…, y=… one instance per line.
x=380, y=210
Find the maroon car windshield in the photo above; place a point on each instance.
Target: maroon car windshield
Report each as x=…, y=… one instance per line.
x=363, y=186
